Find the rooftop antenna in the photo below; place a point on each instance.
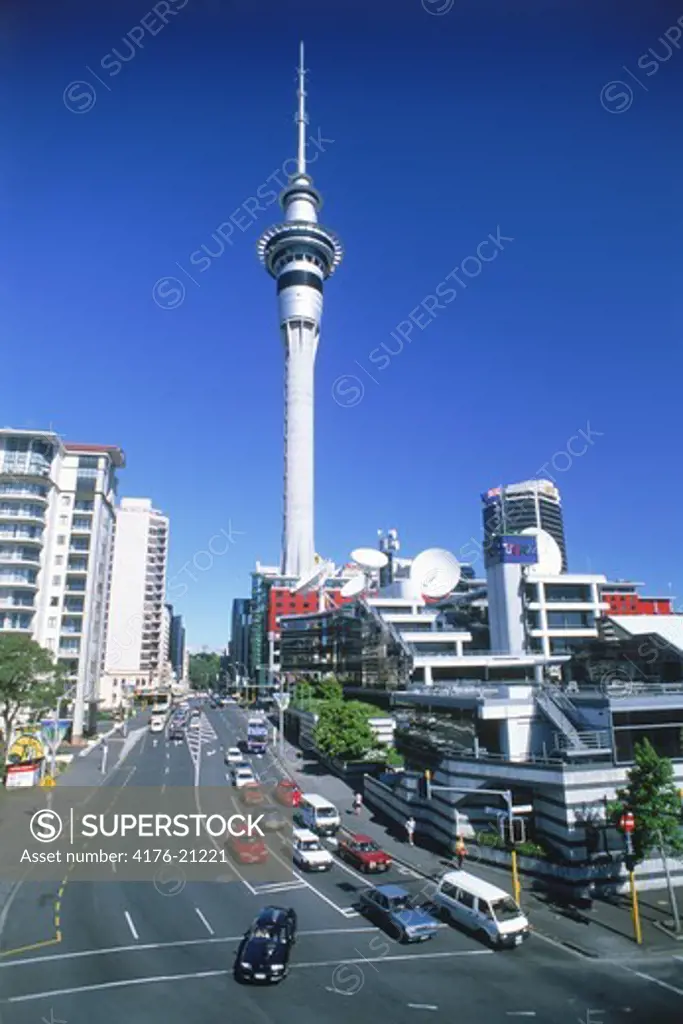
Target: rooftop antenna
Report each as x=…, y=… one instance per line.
x=301, y=116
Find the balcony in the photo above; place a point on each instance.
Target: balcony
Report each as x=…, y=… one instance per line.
x=10, y=602
x=75, y=586
x=29, y=513
x=17, y=581
x=8, y=536
x=23, y=491
x=23, y=557
x=33, y=466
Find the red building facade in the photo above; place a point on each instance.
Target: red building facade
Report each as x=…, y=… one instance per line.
x=633, y=604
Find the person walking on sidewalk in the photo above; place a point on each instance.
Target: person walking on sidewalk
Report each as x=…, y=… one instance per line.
x=410, y=830
x=357, y=803
x=460, y=851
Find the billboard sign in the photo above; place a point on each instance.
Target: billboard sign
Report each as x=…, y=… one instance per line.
x=515, y=549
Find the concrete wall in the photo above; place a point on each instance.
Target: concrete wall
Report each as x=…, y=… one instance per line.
x=399, y=802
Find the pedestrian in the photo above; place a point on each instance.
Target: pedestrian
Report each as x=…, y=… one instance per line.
x=410, y=830
x=357, y=803
x=460, y=851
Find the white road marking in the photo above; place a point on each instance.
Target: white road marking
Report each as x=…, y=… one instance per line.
x=204, y=921
x=166, y=770
x=521, y=1013
x=385, y=959
x=655, y=981
x=177, y=943
x=131, y=925
x=165, y=978
x=421, y=1006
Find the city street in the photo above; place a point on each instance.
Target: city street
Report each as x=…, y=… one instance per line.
x=125, y=946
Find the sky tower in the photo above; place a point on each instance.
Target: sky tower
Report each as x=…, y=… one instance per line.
x=300, y=255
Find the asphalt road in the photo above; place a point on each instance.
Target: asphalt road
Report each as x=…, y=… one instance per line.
x=142, y=951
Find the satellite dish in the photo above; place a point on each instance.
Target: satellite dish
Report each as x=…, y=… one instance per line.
x=353, y=587
x=548, y=552
x=435, y=573
x=370, y=558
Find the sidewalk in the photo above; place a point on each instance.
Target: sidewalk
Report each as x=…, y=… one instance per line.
x=604, y=931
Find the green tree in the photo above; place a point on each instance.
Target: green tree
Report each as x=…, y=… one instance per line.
x=204, y=670
x=652, y=796
x=330, y=688
x=29, y=679
x=343, y=731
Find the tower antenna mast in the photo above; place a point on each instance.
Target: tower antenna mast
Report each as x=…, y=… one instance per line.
x=301, y=117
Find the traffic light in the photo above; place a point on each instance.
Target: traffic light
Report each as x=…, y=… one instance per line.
x=424, y=786
x=518, y=830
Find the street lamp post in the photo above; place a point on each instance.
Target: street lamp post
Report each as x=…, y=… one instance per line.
x=281, y=698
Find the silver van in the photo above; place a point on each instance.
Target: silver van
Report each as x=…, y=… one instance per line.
x=482, y=908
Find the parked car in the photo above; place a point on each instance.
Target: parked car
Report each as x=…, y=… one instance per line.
x=264, y=952
x=288, y=793
x=391, y=908
x=248, y=849
x=363, y=853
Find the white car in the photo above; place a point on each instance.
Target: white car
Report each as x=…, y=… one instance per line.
x=233, y=755
x=157, y=723
x=242, y=775
x=308, y=852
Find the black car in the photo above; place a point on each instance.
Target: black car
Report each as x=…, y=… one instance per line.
x=176, y=732
x=263, y=954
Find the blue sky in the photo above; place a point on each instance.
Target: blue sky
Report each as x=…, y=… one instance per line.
x=438, y=130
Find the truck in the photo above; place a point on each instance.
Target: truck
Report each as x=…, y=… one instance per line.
x=257, y=734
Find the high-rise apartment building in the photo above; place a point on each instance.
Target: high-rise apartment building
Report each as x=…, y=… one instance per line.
x=136, y=652
x=56, y=526
x=177, y=646
x=533, y=503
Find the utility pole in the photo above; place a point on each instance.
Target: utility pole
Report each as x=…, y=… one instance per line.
x=506, y=794
x=669, y=885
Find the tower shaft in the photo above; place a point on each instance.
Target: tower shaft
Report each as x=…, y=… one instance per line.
x=300, y=254
x=300, y=344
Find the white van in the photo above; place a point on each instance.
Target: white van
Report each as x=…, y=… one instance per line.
x=157, y=723
x=482, y=908
x=318, y=814
x=308, y=852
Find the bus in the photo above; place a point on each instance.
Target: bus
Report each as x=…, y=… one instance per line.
x=161, y=704
x=257, y=734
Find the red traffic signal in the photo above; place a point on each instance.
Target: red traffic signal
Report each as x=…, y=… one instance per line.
x=627, y=822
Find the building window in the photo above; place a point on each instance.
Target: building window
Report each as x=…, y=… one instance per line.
x=63, y=520
x=66, y=500
x=87, y=462
x=59, y=560
x=56, y=581
x=54, y=601
x=61, y=539
x=52, y=623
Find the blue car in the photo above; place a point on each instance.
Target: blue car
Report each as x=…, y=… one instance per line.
x=391, y=907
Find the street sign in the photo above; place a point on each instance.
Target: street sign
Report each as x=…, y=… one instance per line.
x=281, y=699
x=627, y=822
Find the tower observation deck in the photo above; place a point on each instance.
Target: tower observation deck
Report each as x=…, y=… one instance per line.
x=300, y=254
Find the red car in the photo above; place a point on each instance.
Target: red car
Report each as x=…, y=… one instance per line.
x=364, y=853
x=248, y=849
x=252, y=795
x=288, y=793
